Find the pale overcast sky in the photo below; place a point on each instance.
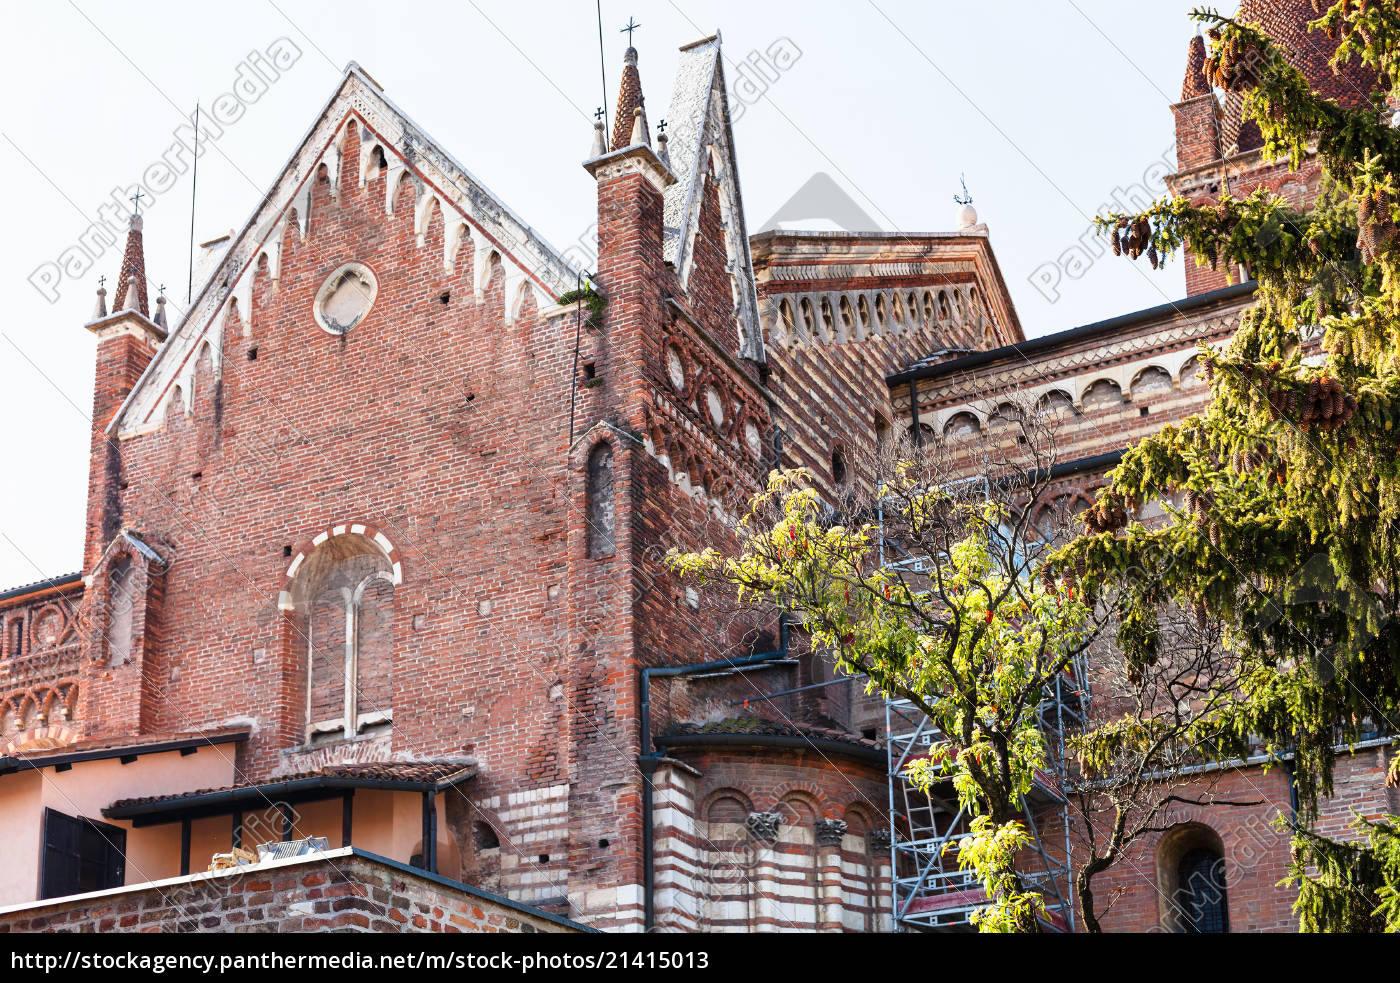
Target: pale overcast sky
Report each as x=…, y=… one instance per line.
x=1048, y=107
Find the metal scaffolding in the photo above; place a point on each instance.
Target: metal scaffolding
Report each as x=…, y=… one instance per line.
x=928, y=889
x=929, y=892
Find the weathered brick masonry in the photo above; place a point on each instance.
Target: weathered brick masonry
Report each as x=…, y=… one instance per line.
x=343, y=891
x=381, y=498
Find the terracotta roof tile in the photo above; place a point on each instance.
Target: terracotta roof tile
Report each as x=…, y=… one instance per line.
x=217, y=735
x=421, y=772
x=629, y=97
x=1286, y=21
x=775, y=728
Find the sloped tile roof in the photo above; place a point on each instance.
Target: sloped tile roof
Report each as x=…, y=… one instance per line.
x=765, y=726
x=409, y=772
x=110, y=747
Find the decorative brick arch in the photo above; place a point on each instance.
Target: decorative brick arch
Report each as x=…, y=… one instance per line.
x=1172, y=846
x=364, y=529
x=725, y=794
x=791, y=802
x=33, y=711
x=809, y=792
x=40, y=739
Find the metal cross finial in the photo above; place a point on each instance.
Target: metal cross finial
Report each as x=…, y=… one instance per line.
x=661, y=127
x=631, y=26
x=136, y=199
x=599, y=114
x=966, y=197
x=162, y=290
x=102, y=281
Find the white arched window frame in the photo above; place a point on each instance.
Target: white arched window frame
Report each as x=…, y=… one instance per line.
x=341, y=597
x=352, y=720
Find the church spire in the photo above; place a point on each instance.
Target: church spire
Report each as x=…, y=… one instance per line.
x=131, y=282
x=629, y=100
x=1195, y=83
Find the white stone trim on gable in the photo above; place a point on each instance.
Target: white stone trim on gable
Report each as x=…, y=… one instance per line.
x=357, y=101
x=701, y=137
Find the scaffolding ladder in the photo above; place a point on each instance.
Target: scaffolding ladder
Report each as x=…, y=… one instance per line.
x=928, y=890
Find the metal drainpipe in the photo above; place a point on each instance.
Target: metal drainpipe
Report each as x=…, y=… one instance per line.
x=914, y=413
x=649, y=758
x=1291, y=767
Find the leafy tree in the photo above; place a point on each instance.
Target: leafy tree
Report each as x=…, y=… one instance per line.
x=965, y=634
x=934, y=586
x=1291, y=475
x=1139, y=746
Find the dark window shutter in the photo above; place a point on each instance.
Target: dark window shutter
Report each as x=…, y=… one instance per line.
x=80, y=855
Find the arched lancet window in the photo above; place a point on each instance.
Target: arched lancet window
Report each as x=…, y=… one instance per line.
x=1191, y=874
x=809, y=321
x=602, y=513
x=377, y=163
x=839, y=475
x=789, y=325
x=344, y=599
x=121, y=622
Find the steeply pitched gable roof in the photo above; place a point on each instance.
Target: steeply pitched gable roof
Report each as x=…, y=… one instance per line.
x=701, y=136
x=468, y=206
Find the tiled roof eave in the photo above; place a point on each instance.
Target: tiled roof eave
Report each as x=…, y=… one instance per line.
x=404, y=776
x=96, y=750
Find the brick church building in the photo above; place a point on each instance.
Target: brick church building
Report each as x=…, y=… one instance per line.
x=375, y=534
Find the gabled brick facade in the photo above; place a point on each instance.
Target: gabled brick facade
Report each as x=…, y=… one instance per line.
x=382, y=497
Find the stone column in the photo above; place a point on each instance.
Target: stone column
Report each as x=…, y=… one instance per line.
x=878, y=854
x=765, y=890
x=830, y=896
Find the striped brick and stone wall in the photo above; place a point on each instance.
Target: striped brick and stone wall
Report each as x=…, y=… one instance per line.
x=337, y=891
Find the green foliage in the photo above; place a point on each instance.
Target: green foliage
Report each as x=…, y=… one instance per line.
x=1348, y=887
x=973, y=643
x=594, y=301
x=990, y=849
x=1288, y=483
